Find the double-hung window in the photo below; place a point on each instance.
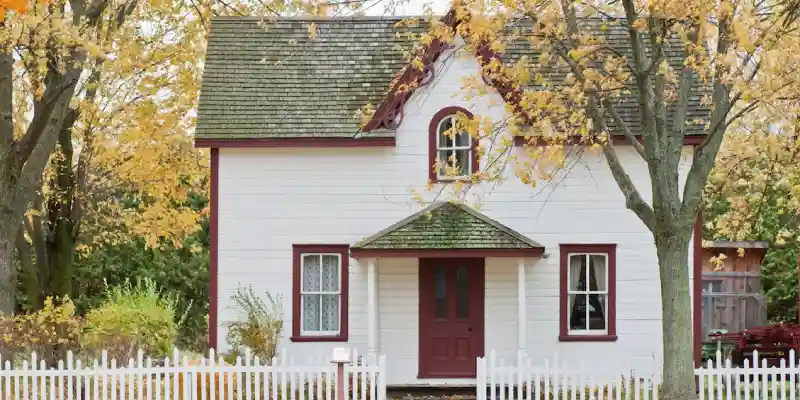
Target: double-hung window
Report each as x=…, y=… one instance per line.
x=588, y=274
x=320, y=292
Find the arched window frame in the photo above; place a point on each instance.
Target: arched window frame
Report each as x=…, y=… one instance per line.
x=434, y=147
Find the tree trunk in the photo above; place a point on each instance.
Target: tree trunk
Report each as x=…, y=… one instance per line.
x=676, y=309
x=61, y=239
x=8, y=273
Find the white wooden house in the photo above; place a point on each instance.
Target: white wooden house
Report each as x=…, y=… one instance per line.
x=309, y=205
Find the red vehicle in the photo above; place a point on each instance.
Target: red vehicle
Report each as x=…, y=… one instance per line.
x=773, y=343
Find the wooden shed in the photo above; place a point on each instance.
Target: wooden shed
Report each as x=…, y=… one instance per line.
x=732, y=296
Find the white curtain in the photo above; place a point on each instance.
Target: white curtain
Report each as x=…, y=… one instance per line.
x=598, y=267
x=330, y=302
x=577, y=268
x=311, y=284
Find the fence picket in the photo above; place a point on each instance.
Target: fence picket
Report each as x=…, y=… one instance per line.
x=792, y=375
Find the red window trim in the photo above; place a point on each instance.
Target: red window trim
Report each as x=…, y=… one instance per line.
x=611, y=250
x=433, y=133
x=344, y=251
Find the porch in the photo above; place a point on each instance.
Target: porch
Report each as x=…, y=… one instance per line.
x=430, y=279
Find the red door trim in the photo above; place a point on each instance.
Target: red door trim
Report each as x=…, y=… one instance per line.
x=426, y=314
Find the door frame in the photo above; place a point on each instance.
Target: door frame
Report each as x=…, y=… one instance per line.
x=477, y=266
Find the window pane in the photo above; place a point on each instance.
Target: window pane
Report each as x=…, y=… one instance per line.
x=463, y=138
x=441, y=293
x=311, y=309
x=330, y=312
x=330, y=273
x=577, y=272
x=462, y=291
x=463, y=162
x=597, y=311
x=311, y=277
x=577, y=313
x=442, y=161
x=597, y=274
x=445, y=138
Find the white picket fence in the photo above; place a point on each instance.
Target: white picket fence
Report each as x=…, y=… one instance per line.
x=523, y=379
x=180, y=378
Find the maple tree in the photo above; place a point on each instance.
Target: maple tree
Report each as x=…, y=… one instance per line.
x=742, y=53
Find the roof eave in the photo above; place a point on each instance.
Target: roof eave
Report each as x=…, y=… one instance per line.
x=532, y=252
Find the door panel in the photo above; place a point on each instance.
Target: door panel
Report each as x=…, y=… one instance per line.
x=451, y=300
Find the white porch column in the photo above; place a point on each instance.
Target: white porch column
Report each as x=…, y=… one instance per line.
x=522, y=312
x=372, y=306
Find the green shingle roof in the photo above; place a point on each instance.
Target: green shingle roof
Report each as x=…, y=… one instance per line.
x=270, y=80
x=445, y=225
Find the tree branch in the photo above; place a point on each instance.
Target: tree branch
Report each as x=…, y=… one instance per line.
x=706, y=152
x=626, y=130
x=643, y=83
x=633, y=200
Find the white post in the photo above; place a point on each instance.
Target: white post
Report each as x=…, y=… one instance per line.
x=522, y=312
x=372, y=306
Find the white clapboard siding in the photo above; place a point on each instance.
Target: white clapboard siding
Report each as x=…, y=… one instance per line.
x=180, y=378
x=524, y=379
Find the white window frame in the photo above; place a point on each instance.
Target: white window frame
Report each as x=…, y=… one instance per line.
x=452, y=150
x=303, y=331
x=587, y=292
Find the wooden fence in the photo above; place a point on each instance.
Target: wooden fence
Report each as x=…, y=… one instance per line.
x=200, y=379
x=732, y=301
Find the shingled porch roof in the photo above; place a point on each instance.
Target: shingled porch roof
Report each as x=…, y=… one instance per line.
x=445, y=229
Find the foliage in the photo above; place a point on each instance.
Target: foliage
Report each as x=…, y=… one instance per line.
x=753, y=194
x=133, y=317
x=260, y=329
x=50, y=332
x=182, y=272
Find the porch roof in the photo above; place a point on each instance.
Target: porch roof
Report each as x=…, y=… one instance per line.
x=447, y=229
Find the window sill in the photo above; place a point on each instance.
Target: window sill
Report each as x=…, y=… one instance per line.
x=299, y=339
x=587, y=338
x=451, y=180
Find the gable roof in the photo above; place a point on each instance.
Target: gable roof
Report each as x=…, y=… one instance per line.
x=448, y=226
x=271, y=81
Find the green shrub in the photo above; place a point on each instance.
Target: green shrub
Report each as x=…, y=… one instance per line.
x=260, y=329
x=178, y=271
x=133, y=317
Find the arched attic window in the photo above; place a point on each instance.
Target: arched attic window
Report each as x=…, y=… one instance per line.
x=452, y=154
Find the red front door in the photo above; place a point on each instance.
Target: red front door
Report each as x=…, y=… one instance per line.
x=450, y=316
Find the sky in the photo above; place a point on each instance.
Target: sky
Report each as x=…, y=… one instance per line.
x=411, y=7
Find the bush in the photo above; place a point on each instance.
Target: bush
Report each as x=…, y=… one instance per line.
x=50, y=332
x=261, y=328
x=133, y=317
x=179, y=271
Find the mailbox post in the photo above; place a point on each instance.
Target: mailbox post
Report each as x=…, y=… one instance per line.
x=341, y=356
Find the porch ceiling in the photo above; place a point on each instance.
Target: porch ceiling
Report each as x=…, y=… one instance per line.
x=447, y=229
